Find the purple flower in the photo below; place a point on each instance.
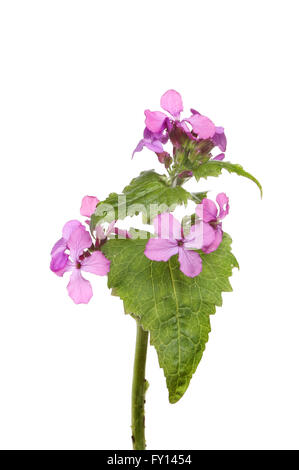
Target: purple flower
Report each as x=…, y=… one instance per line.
x=156, y=121
x=59, y=257
x=152, y=140
x=171, y=241
x=88, y=206
x=161, y=126
x=208, y=212
x=204, y=126
x=79, y=288
x=70, y=252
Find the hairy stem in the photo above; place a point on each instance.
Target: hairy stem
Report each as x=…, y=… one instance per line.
x=139, y=388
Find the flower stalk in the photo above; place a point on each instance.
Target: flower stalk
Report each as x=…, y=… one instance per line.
x=139, y=388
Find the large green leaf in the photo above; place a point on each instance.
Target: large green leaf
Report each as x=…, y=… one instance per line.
x=173, y=307
x=149, y=193
x=214, y=168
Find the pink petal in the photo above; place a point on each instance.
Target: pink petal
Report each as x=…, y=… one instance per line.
x=58, y=263
x=152, y=141
x=61, y=272
x=78, y=241
x=219, y=157
x=69, y=266
x=79, y=289
x=96, y=263
x=154, y=146
x=139, y=147
x=216, y=242
x=155, y=120
x=59, y=246
x=172, y=102
x=69, y=227
x=202, y=126
x=190, y=262
x=122, y=233
x=207, y=210
x=194, y=239
x=219, y=138
x=160, y=250
x=223, y=200
x=201, y=234
x=167, y=227
x=88, y=205
x=185, y=128
x=110, y=228
x=100, y=232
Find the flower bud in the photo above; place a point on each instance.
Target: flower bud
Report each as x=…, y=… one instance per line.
x=177, y=136
x=185, y=174
x=164, y=158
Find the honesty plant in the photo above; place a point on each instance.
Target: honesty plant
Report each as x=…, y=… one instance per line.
x=172, y=277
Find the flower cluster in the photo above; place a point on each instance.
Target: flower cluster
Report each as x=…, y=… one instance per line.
x=75, y=252
x=193, y=139
x=197, y=129
x=205, y=235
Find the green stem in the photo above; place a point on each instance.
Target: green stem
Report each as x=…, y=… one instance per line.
x=139, y=388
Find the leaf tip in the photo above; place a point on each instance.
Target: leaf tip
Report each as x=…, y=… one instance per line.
x=174, y=398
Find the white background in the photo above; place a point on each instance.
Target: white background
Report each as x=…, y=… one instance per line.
x=75, y=79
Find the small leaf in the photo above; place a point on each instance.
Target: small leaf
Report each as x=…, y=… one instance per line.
x=198, y=197
x=173, y=307
x=214, y=168
x=149, y=194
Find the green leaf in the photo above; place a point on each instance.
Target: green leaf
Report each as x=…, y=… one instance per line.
x=198, y=197
x=173, y=307
x=214, y=168
x=149, y=193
